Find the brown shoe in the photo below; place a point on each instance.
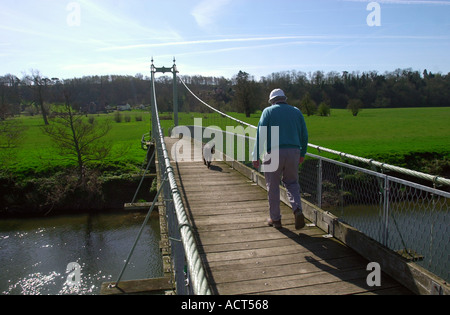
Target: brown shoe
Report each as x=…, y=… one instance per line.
x=299, y=220
x=275, y=224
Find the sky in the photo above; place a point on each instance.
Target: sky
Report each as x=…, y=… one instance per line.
x=67, y=39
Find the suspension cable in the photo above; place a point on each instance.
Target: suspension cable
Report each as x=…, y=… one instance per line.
x=143, y=175
x=216, y=110
x=163, y=182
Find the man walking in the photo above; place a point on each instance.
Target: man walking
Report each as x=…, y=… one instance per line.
x=291, y=151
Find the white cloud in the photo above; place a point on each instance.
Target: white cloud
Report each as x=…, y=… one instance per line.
x=214, y=41
x=207, y=11
x=282, y=40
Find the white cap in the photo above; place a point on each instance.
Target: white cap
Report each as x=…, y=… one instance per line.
x=277, y=94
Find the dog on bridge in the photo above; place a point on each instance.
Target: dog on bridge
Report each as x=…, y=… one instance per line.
x=208, y=150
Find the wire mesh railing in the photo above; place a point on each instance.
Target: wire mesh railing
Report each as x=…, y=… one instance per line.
x=408, y=218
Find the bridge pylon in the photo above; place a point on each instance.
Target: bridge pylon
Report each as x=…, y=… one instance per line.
x=163, y=70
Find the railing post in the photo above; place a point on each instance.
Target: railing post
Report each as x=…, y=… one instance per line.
x=175, y=94
x=386, y=211
x=154, y=131
x=341, y=189
x=319, y=184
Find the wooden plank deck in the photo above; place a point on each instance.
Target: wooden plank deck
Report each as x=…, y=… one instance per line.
x=242, y=255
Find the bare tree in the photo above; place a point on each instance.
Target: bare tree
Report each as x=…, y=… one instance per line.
x=11, y=135
x=76, y=137
x=40, y=87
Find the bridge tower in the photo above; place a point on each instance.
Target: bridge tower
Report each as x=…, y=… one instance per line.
x=163, y=70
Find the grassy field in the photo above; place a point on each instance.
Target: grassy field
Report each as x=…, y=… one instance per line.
x=374, y=133
x=37, y=154
x=379, y=132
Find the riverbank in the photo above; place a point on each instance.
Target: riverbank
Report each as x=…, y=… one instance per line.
x=64, y=193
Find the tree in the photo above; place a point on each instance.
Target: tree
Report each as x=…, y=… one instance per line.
x=307, y=105
x=324, y=109
x=40, y=86
x=246, y=93
x=4, y=104
x=77, y=138
x=355, y=106
x=11, y=134
x=9, y=96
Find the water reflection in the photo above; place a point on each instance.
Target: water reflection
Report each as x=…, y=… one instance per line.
x=34, y=253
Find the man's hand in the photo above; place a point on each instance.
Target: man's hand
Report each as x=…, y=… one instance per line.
x=256, y=164
x=302, y=159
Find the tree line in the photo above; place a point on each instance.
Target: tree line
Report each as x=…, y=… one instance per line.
x=314, y=93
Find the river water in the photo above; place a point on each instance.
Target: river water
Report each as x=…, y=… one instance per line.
x=34, y=253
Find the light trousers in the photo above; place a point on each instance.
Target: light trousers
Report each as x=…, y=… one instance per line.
x=287, y=171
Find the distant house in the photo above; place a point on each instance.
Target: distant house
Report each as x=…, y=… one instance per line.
x=124, y=107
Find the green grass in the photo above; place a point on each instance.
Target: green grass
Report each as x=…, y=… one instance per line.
x=383, y=132
x=374, y=133
x=37, y=154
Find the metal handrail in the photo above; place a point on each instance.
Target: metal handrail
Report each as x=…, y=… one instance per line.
x=433, y=178
x=197, y=273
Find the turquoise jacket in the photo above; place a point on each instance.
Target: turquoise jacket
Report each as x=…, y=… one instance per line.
x=292, y=129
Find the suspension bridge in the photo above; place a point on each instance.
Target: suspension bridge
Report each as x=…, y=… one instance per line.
x=215, y=239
